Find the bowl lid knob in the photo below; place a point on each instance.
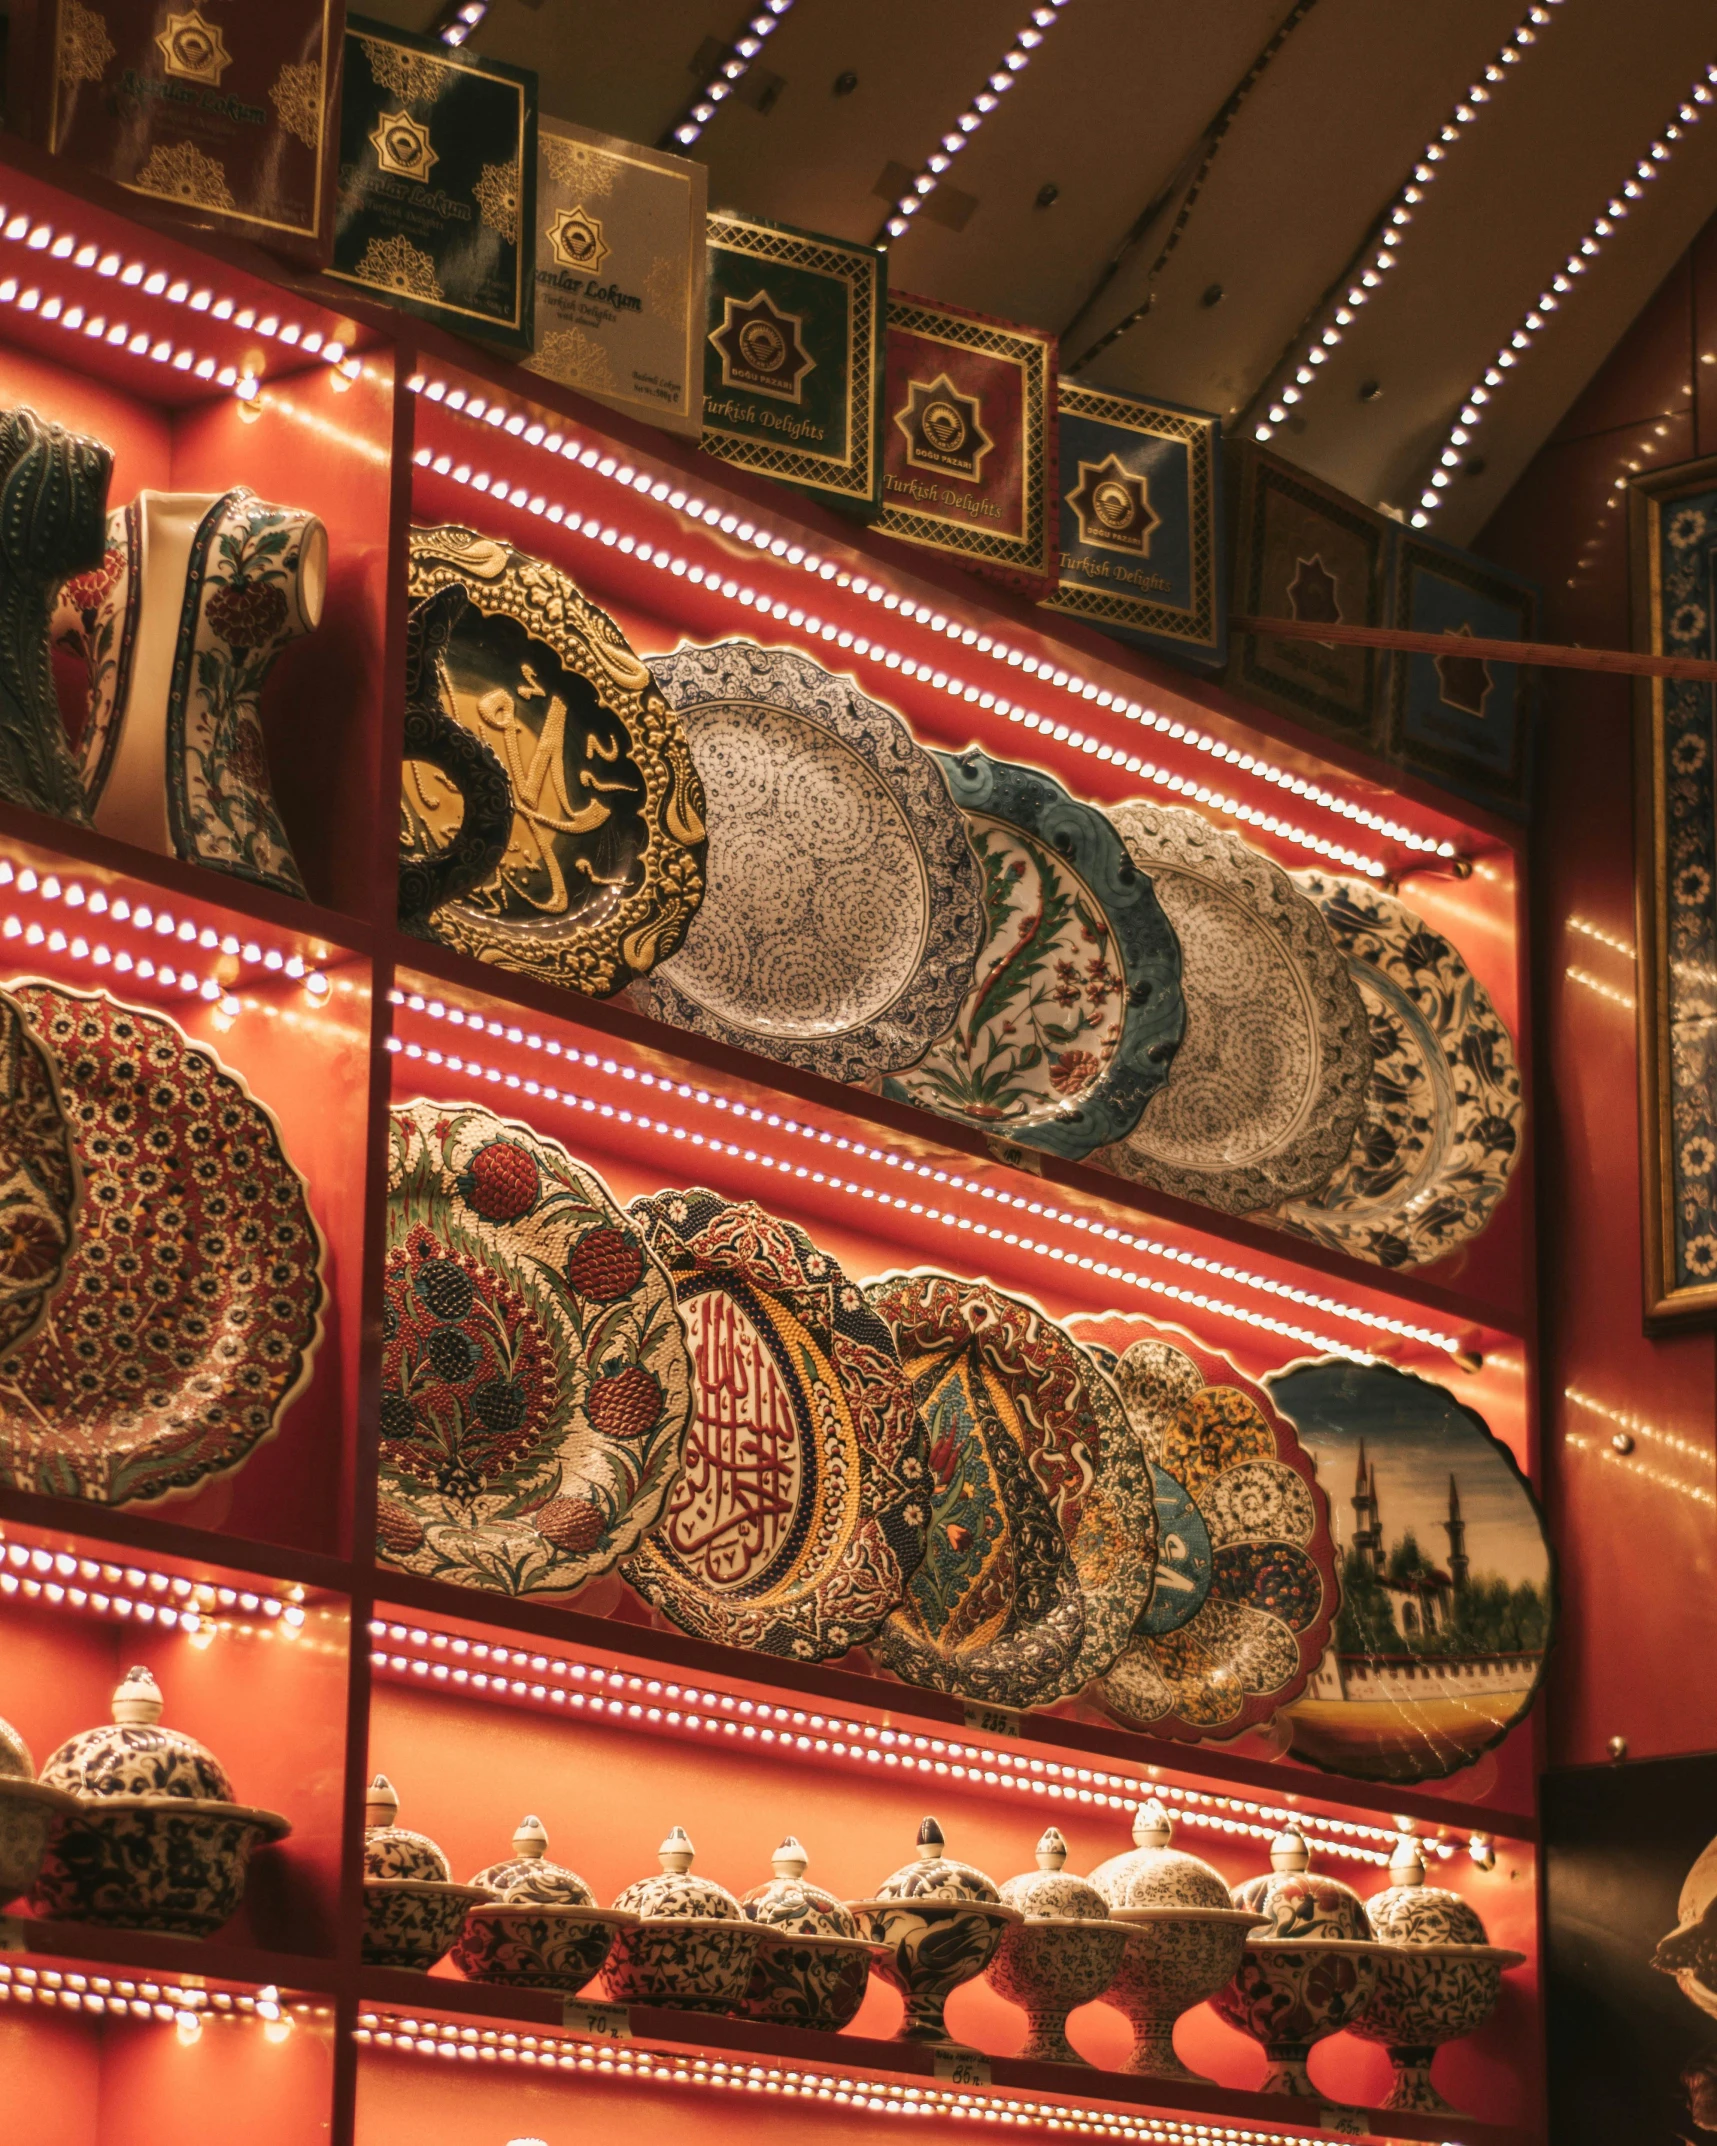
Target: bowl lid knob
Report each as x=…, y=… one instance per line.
x=1152, y=1825
x=530, y=1838
x=381, y=1803
x=931, y=1841
x=1407, y=1864
x=137, y=1699
x=1051, y=1849
x=790, y=1859
x=1288, y=1851
x=676, y=1851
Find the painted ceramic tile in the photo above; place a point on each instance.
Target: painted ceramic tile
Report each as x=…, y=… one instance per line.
x=1464, y=721
x=1444, y=1117
x=1141, y=523
x=1306, y=551
x=157, y=1370
x=1245, y=1589
x=793, y=357
x=1448, y=1599
x=1272, y=1073
x=604, y=864
x=438, y=173
x=969, y=441
x=38, y=1178
x=802, y=1507
x=620, y=274
x=844, y=911
x=536, y=1387
x=228, y=112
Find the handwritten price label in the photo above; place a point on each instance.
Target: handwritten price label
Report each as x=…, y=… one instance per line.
x=992, y=1720
x=599, y=2022
x=962, y=2067
x=1348, y=2123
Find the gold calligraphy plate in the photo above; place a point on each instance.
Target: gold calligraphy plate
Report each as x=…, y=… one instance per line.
x=535, y=1382
x=604, y=867
x=801, y=1511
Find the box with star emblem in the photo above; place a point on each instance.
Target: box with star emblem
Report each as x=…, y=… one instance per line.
x=1140, y=523
x=1463, y=720
x=969, y=441
x=228, y=112
x=793, y=357
x=438, y=174
x=620, y=274
x=1303, y=550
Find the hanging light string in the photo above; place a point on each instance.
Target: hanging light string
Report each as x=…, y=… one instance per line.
x=1538, y=316
x=1321, y=331
x=1002, y=77
x=187, y=2007
x=735, y=66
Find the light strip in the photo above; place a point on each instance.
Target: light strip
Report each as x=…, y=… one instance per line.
x=792, y=553
x=981, y=1189
x=1637, y=1427
x=732, y=70
x=1294, y=376
x=1592, y=931
x=172, y=2003
x=1007, y=70
x=61, y=1581
x=1537, y=317
x=1598, y=987
x=463, y=20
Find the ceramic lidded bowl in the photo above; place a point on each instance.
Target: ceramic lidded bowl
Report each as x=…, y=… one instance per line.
x=1307, y=1971
x=1438, y=1977
x=939, y=1922
x=157, y=1840
x=412, y=1909
x=29, y=1812
x=691, y=1946
x=1184, y=1939
x=813, y=1963
x=1064, y=1954
x=538, y=1925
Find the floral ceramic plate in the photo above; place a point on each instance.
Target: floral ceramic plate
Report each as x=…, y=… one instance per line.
x=1447, y=1591
x=845, y=908
x=1075, y=1013
x=1042, y=1528
x=802, y=1507
x=1271, y=1076
x=605, y=863
x=536, y=1386
x=1441, y=1130
x=39, y=1188
x=1245, y=1577
x=190, y=1308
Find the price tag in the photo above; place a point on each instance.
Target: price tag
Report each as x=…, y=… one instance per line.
x=962, y=2067
x=1348, y=2123
x=600, y=2022
x=11, y=1934
x=992, y=1720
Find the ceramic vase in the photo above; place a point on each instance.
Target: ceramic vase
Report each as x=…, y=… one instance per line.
x=539, y=1926
x=937, y=1923
x=691, y=1946
x=812, y=1965
x=467, y=857
x=53, y=496
x=413, y=1911
x=1064, y=1954
x=177, y=631
x=29, y=1812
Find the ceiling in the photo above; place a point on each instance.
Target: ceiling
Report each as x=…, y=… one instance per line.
x=1113, y=107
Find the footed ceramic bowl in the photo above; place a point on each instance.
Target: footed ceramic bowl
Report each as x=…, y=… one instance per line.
x=812, y=1965
x=539, y=1926
x=1064, y=1954
x=29, y=1812
x=1438, y=1978
x=155, y=1840
x=412, y=1909
x=938, y=1923
x=690, y=1945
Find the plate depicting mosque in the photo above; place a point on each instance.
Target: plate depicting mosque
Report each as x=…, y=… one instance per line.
x=1448, y=1597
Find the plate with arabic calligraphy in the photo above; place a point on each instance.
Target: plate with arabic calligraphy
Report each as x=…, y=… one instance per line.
x=1075, y=1011
x=604, y=864
x=1042, y=1543
x=38, y=1178
x=1434, y=1151
x=189, y=1310
x=1245, y=1587
x=1271, y=1076
x=801, y=1510
x=845, y=909
x=536, y=1385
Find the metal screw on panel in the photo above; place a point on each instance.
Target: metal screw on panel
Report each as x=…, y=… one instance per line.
x=845, y=82
x=1618, y=1747
x=1048, y=194
x=1369, y=390
x=1213, y=295
x=1623, y=1442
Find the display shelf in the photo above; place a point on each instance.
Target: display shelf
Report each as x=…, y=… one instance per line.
x=83, y=1948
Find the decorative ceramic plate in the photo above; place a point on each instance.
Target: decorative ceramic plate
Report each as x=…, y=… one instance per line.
x=1442, y=1124
x=39, y=1184
x=536, y=1386
x=802, y=1508
x=1075, y=1012
x=845, y=908
x=1271, y=1076
x=1447, y=1591
x=605, y=863
x=190, y=1308
x=1042, y=1529
x=1245, y=1576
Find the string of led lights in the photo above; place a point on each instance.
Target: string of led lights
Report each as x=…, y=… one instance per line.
x=1001, y=78
x=1312, y=343
x=184, y=2006
x=735, y=66
x=461, y=22
x=1561, y=286
x=58, y=1580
